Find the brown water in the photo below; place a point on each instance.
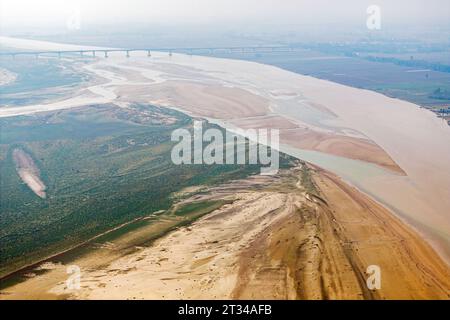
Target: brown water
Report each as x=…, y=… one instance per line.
x=414, y=138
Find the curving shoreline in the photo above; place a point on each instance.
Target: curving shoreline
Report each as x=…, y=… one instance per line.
x=277, y=238
x=208, y=87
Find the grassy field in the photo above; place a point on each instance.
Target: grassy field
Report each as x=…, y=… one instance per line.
x=103, y=166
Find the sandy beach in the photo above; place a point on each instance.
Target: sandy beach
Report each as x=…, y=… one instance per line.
x=28, y=172
x=326, y=117
x=383, y=173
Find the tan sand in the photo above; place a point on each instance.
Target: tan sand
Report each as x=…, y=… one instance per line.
x=279, y=242
x=350, y=122
x=28, y=172
x=210, y=101
x=370, y=235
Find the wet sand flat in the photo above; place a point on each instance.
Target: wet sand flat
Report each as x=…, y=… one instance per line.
x=277, y=240
x=344, y=121
x=28, y=172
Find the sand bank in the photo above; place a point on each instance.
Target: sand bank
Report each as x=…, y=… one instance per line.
x=279, y=239
x=29, y=172
x=7, y=77
x=316, y=115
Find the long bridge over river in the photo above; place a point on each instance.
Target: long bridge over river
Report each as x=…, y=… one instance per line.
x=128, y=52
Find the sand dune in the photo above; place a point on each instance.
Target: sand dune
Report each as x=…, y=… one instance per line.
x=277, y=240
x=28, y=172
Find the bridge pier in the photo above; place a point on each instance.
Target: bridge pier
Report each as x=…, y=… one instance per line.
x=170, y=51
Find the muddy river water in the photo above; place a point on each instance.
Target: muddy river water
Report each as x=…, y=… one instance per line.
x=414, y=138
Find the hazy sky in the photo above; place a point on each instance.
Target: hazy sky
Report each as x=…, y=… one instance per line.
x=30, y=14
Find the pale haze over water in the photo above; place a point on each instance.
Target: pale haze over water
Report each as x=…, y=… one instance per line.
x=355, y=95
x=28, y=15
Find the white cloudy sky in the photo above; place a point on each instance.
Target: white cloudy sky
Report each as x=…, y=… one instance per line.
x=41, y=13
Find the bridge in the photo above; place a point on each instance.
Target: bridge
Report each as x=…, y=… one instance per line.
x=128, y=52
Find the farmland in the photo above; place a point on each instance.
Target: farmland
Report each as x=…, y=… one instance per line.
x=392, y=77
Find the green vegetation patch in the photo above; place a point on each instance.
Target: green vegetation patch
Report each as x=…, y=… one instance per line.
x=199, y=208
x=103, y=166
